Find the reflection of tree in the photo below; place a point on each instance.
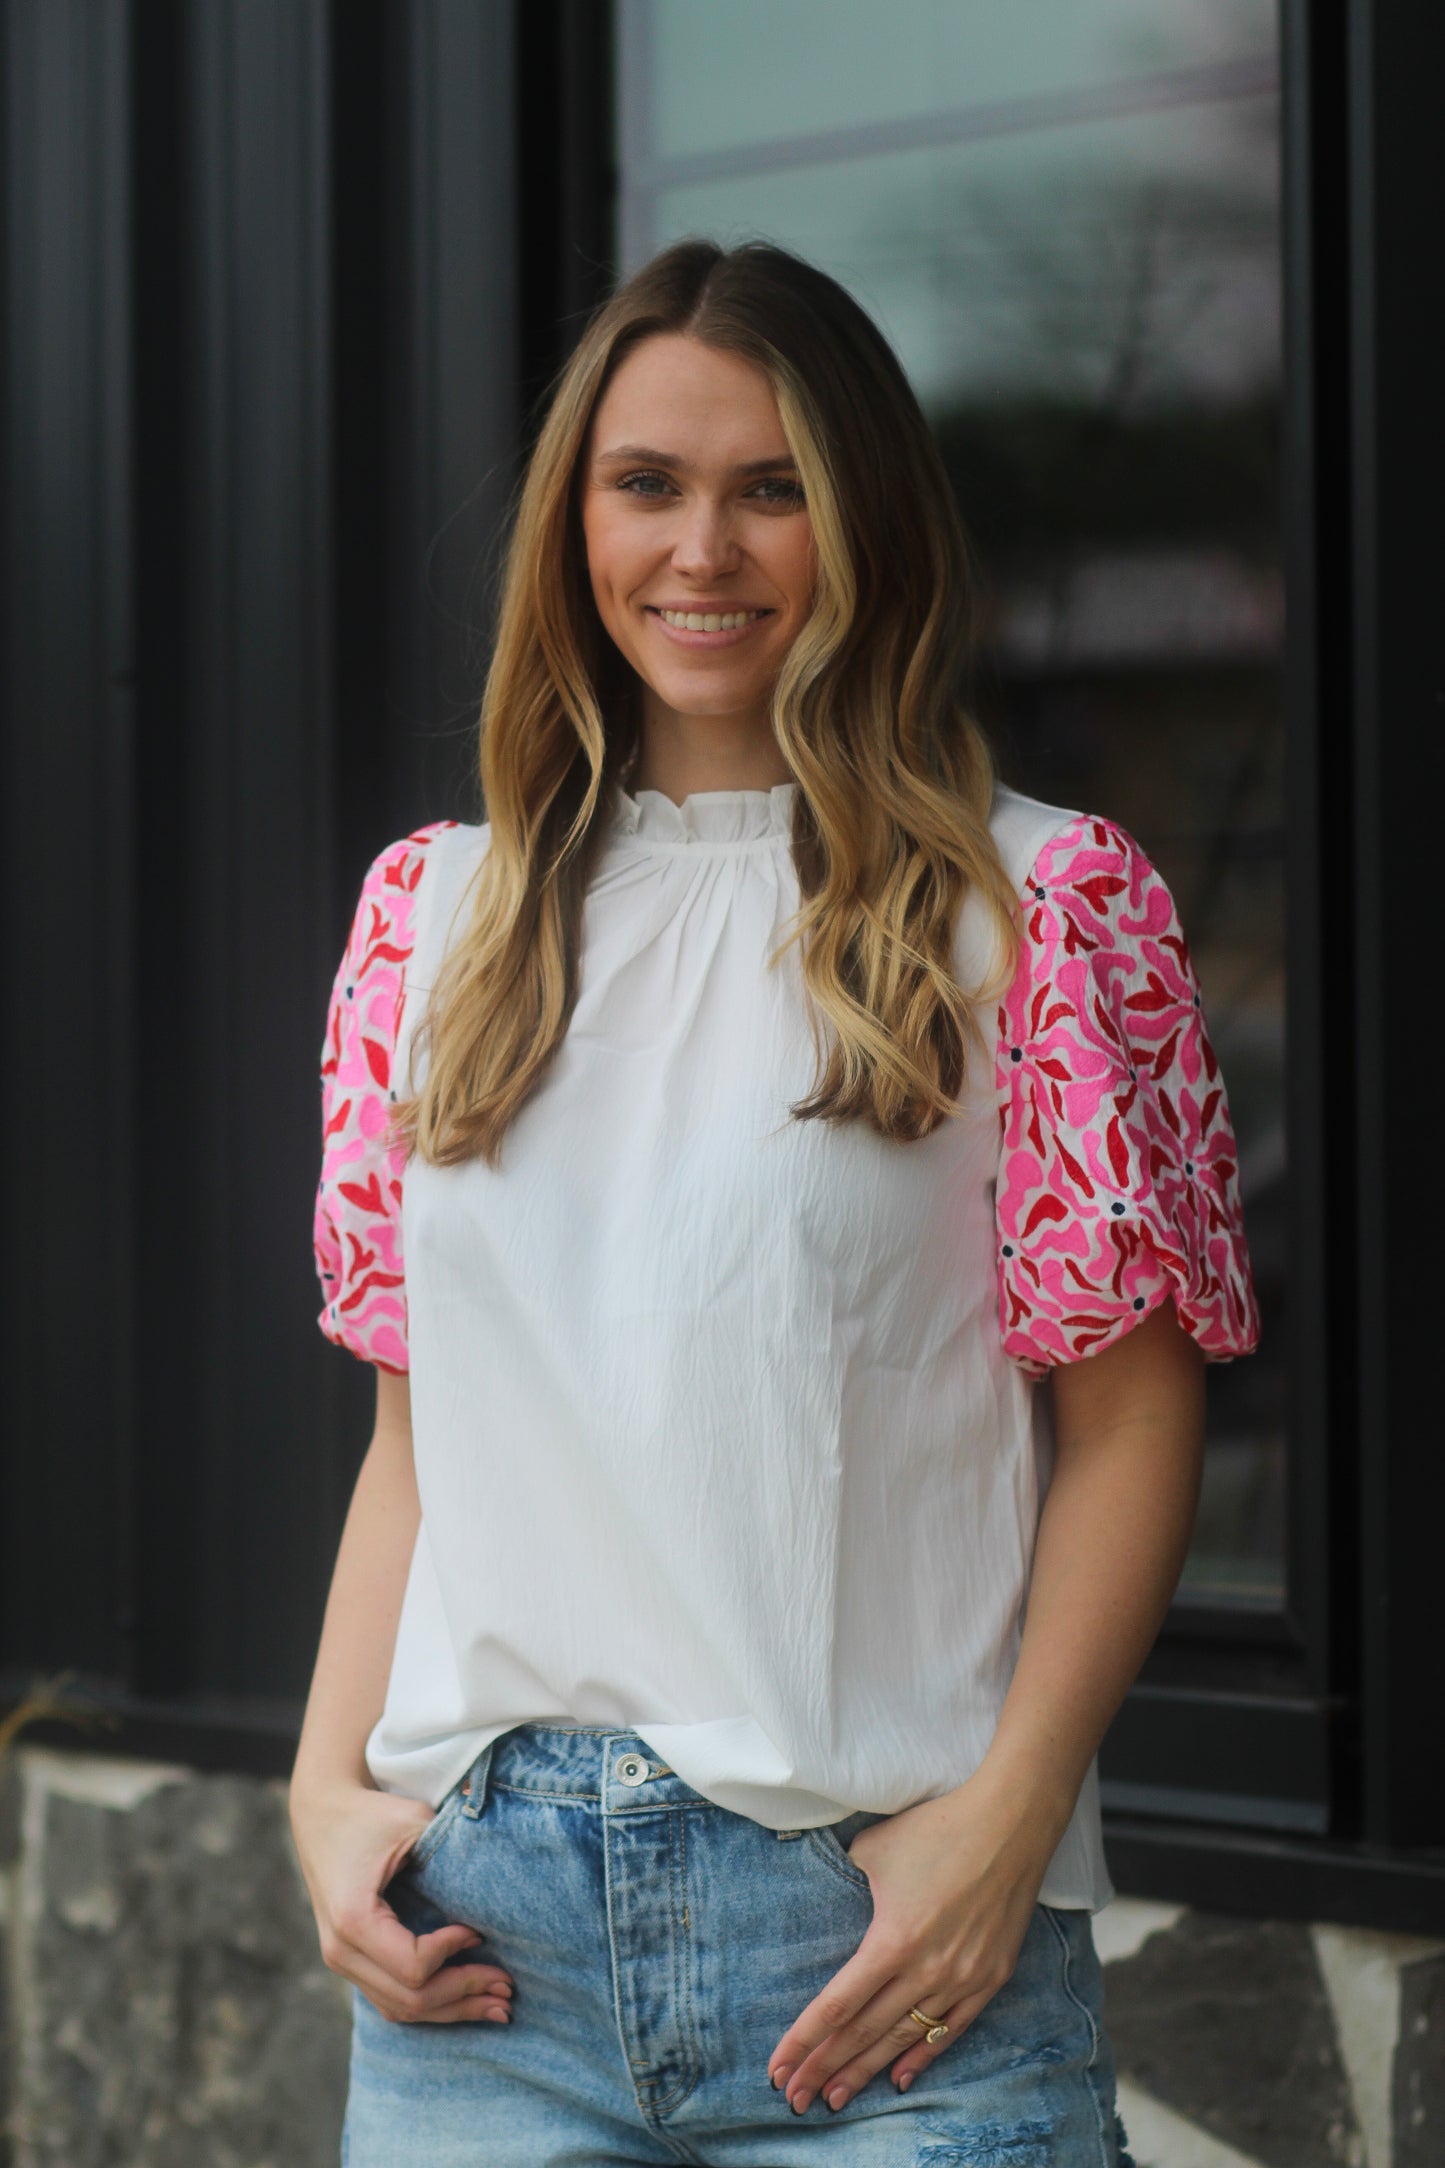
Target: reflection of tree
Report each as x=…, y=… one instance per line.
x=1044, y=479
x=1109, y=288
x=1045, y=487
x=1112, y=410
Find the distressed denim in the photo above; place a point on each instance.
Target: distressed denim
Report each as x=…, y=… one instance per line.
x=659, y=1947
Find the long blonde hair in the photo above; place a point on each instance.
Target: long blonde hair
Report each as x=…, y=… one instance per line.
x=890, y=828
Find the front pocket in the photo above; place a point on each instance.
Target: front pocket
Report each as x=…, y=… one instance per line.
x=826, y=1845
x=437, y=1828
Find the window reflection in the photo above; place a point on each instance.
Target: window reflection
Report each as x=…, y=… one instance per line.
x=1066, y=219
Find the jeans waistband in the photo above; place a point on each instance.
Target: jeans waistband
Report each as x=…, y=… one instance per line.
x=606, y=1766
x=610, y=1768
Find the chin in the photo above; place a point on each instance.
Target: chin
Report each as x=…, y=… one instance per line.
x=705, y=692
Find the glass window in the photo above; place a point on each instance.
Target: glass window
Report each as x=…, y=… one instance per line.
x=1067, y=221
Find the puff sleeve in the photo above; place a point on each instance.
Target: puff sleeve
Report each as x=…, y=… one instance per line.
x=1118, y=1180
x=357, y=1225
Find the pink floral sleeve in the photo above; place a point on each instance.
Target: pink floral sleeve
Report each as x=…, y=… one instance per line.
x=357, y=1235
x=1118, y=1179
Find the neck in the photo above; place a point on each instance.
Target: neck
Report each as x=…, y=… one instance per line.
x=680, y=755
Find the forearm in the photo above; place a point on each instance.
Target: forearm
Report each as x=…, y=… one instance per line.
x=1111, y=1543
x=955, y=1879
x=358, y=1634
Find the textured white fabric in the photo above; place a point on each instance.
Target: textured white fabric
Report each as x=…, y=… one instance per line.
x=715, y=1435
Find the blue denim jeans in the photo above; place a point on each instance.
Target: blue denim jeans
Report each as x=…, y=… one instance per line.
x=659, y=1947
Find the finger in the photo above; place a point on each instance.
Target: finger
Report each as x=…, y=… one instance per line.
x=850, y=1990
x=410, y=1959
x=880, y=2031
x=388, y=1962
x=465, y=2010
x=454, y=1982
x=919, y=2055
x=449, y=1991
x=852, y=2076
x=474, y=2011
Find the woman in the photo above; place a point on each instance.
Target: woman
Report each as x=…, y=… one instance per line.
x=721, y=1142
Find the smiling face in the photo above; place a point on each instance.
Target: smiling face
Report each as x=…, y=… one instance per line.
x=699, y=544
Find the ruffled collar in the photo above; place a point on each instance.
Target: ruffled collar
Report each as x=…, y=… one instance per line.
x=704, y=816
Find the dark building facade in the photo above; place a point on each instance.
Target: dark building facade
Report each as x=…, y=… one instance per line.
x=285, y=285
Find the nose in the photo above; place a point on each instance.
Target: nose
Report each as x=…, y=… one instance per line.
x=705, y=545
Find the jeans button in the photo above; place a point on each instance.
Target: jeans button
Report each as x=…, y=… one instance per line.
x=632, y=1769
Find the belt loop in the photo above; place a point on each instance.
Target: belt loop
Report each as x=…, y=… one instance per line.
x=475, y=1791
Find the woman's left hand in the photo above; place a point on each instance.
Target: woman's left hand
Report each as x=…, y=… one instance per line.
x=954, y=1881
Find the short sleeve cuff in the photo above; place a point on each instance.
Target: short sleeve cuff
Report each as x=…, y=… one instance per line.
x=357, y=1226
x=1118, y=1178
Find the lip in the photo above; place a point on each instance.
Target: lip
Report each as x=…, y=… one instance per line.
x=722, y=638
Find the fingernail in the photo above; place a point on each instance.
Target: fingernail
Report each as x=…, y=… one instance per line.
x=801, y=2102
x=838, y=2096
x=905, y=2081
x=500, y=2017
x=781, y=2075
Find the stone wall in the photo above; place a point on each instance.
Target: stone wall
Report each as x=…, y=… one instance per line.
x=1267, y=2042
x=163, y=2004
x=167, y=2007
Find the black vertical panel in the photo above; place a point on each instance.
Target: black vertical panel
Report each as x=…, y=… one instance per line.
x=1397, y=187
x=240, y=859
x=261, y=709
x=364, y=157
x=1321, y=1563
x=66, y=494
x=451, y=309
x=567, y=168
x=169, y=1120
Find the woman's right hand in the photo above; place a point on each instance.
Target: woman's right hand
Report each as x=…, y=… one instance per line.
x=350, y=1842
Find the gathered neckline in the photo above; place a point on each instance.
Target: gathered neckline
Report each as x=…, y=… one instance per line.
x=727, y=818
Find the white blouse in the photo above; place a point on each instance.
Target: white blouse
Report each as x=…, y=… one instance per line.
x=718, y=1437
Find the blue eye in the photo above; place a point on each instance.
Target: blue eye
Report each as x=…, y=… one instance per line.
x=777, y=490
x=628, y=480
x=791, y=493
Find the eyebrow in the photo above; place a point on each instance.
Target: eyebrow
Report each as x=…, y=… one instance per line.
x=649, y=457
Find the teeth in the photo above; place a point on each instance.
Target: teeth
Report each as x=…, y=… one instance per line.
x=709, y=620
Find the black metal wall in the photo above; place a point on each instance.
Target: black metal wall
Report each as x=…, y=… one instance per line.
x=66, y=497
x=265, y=360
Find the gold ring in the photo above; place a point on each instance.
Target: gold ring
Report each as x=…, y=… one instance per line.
x=934, y=2028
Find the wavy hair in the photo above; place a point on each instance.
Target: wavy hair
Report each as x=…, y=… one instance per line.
x=890, y=829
